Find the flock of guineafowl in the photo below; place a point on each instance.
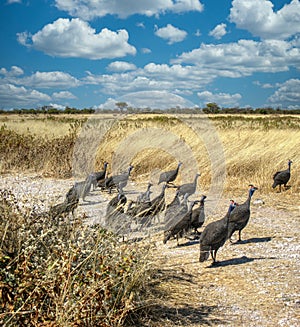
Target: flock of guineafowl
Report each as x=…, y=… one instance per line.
x=182, y=217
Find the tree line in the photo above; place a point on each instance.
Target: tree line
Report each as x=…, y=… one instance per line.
x=123, y=107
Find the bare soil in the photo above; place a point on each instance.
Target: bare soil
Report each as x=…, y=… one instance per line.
x=255, y=283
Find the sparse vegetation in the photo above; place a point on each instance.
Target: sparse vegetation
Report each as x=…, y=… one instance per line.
x=67, y=274
x=80, y=275
x=254, y=146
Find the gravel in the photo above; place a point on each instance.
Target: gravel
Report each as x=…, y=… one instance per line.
x=256, y=283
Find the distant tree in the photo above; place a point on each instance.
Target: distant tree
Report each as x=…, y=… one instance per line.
x=211, y=108
x=121, y=105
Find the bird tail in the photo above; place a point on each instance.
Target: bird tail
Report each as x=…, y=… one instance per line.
x=204, y=252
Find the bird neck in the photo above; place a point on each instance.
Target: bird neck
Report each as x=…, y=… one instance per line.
x=251, y=191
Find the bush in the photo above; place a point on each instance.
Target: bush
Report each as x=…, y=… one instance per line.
x=26, y=152
x=66, y=274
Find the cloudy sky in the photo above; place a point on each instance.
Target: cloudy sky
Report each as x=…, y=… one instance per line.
x=149, y=53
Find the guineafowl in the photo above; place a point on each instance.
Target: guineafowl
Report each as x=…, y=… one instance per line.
x=169, y=176
x=239, y=217
x=116, y=205
x=172, y=210
x=189, y=188
x=214, y=236
x=145, y=196
x=63, y=209
x=175, y=210
x=137, y=210
x=115, y=219
x=282, y=177
x=83, y=188
x=157, y=205
x=182, y=226
x=99, y=176
x=198, y=215
x=140, y=212
x=72, y=197
x=118, y=180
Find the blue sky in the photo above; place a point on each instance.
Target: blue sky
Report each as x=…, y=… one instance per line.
x=149, y=53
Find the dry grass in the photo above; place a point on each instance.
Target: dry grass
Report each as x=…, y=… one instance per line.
x=254, y=147
x=66, y=274
x=238, y=292
x=40, y=125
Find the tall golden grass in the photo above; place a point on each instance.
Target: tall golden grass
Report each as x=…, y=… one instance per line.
x=254, y=147
x=45, y=279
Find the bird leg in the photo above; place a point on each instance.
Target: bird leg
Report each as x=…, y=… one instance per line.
x=215, y=262
x=240, y=239
x=212, y=255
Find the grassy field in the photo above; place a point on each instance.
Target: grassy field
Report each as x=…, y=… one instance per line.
x=85, y=270
x=250, y=148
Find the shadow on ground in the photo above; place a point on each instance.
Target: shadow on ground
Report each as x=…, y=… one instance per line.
x=253, y=240
x=166, y=310
x=238, y=261
x=187, y=315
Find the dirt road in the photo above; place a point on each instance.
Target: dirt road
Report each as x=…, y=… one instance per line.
x=256, y=283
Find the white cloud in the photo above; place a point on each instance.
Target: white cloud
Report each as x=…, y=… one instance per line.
x=54, y=79
x=75, y=38
x=219, y=31
x=13, y=1
x=12, y=96
x=14, y=71
x=145, y=50
x=171, y=33
x=243, y=58
x=263, y=85
x=141, y=25
x=89, y=9
x=288, y=94
x=222, y=99
x=258, y=17
x=63, y=95
x=198, y=33
x=150, y=99
x=57, y=106
x=121, y=66
x=152, y=77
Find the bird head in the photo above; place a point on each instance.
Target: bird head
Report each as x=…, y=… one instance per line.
x=232, y=205
x=252, y=189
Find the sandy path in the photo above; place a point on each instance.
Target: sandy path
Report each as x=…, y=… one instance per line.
x=257, y=283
